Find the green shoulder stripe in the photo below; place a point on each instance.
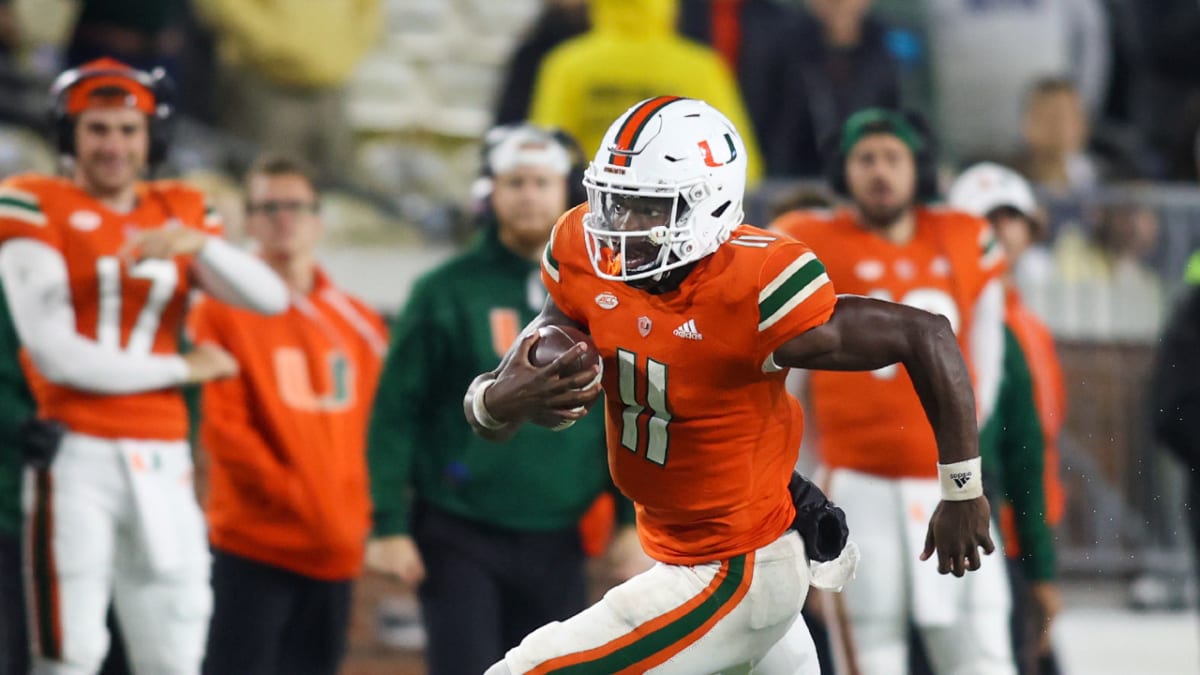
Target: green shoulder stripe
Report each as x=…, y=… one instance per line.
x=791, y=287
x=21, y=205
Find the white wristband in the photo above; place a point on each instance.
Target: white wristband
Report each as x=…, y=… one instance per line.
x=961, y=481
x=480, y=410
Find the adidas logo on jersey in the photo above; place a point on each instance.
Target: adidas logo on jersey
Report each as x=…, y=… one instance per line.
x=961, y=479
x=688, y=331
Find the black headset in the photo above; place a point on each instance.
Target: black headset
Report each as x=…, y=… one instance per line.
x=886, y=121
x=160, y=85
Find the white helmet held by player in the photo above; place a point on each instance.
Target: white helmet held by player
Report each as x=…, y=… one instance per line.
x=664, y=190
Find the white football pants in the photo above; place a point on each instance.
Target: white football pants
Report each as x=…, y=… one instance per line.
x=729, y=616
x=963, y=622
x=116, y=520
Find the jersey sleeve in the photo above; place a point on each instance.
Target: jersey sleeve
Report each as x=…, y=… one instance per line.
x=191, y=207
x=22, y=214
x=555, y=267
x=795, y=295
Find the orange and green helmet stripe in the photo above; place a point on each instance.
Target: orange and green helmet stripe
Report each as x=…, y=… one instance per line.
x=627, y=136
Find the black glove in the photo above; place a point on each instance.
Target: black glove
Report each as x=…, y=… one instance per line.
x=39, y=441
x=820, y=523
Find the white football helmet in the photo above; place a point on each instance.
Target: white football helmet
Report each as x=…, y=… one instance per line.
x=664, y=190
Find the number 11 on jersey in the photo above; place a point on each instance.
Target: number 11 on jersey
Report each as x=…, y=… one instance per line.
x=653, y=407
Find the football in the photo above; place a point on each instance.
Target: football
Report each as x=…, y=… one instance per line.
x=554, y=340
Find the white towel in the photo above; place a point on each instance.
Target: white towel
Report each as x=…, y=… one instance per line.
x=155, y=472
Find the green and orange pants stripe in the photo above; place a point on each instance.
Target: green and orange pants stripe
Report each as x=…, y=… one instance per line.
x=655, y=641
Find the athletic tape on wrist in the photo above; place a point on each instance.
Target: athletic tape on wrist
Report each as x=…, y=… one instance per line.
x=961, y=481
x=480, y=410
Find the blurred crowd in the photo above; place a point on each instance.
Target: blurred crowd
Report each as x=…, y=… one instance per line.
x=1094, y=104
x=1074, y=94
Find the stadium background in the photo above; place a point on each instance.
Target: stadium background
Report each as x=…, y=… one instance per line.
x=423, y=96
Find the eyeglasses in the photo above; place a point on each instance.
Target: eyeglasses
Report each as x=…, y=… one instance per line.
x=270, y=208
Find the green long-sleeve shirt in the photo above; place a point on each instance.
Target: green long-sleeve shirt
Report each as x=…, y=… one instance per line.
x=1013, y=451
x=458, y=322
x=16, y=404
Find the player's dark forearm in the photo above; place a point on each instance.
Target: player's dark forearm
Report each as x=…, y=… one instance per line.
x=940, y=377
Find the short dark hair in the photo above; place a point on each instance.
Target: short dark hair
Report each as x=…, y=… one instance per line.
x=1052, y=84
x=273, y=164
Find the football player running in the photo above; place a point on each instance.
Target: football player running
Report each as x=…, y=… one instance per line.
x=697, y=317
x=97, y=267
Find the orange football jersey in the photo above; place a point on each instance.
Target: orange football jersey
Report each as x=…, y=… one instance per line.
x=138, y=309
x=873, y=421
x=702, y=434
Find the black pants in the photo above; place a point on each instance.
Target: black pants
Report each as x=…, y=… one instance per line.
x=269, y=621
x=14, y=640
x=485, y=589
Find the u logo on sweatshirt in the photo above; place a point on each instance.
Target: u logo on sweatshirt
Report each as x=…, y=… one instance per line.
x=334, y=388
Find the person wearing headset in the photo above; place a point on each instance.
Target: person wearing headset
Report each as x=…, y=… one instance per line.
x=97, y=266
x=876, y=447
x=488, y=537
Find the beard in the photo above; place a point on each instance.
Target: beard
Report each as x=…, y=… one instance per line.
x=881, y=218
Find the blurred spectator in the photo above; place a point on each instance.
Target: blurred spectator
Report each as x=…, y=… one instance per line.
x=986, y=53
x=9, y=29
x=1106, y=288
x=488, y=535
x=1023, y=235
x=16, y=405
x=1170, y=30
x=1054, y=156
x=288, y=505
x=1175, y=399
x=631, y=53
x=1021, y=437
x=559, y=21
x=285, y=66
x=758, y=40
x=1121, y=107
x=145, y=34
x=841, y=64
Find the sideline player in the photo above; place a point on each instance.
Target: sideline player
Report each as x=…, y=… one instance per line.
x=697, y=318
x=873, y=437
x=97, y=267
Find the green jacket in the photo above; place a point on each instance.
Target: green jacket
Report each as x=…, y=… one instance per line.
x=458, y=322
x=1013, y=451
x=16, y=404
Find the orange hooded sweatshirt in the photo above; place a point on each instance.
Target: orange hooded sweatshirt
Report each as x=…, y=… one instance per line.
x=286, y=437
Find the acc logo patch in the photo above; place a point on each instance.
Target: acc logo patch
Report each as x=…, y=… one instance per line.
x=84, y=221
x=606, y=300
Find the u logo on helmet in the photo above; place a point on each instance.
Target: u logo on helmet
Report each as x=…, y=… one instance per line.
x=708, y=153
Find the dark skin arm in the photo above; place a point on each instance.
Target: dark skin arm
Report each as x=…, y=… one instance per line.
x=526, y=393
x=866, y=334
